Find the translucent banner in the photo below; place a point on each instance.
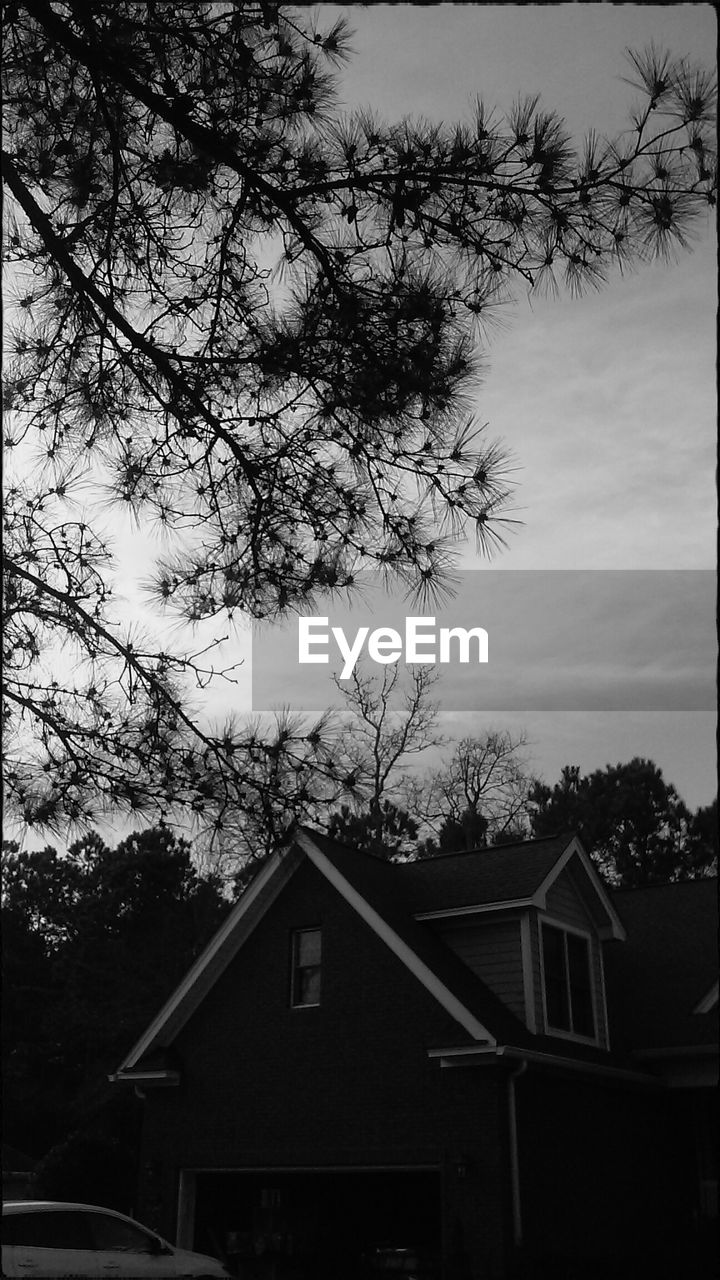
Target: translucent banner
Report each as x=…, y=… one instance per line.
x=584, y=640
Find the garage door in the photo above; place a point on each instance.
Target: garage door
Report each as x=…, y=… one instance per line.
x=302, y=1224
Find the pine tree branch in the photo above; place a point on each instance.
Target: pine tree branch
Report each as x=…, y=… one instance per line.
x=179, y=118
x=57, y=247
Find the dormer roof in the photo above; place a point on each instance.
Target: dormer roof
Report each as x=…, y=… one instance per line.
x=508, y=876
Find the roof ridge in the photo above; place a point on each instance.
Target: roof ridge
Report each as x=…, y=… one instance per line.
x=383, y=855
x=493, y=848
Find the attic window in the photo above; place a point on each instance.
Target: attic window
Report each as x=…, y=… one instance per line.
x=568, y=982
x=306, y=962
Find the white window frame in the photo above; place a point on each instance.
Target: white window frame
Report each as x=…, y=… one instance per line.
x=295, y=967
x=563, y=927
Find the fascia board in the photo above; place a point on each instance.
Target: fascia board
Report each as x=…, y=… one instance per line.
x=221, y=949
x=452, y=913
x=405, y=953
x=575, y=849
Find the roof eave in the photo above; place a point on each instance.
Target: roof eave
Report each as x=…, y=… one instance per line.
x=449, y=913
x=154, y=1079
x=478, y=1055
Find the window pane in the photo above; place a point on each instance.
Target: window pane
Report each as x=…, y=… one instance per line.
x=309, y=945
x=306, y=957
x=309, y=986
x=50, y=1230
x=583, y=1020
x=556, y=989
x=113, y=1233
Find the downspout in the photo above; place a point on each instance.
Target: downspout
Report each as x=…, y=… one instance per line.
x=515, y=1155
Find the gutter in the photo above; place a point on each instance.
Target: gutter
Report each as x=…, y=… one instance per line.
x=478, y=1055
x=515, y=1154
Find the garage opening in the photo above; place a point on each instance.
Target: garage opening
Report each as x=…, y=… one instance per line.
x=303, y=1224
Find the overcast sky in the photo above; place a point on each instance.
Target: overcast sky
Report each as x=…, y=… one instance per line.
x=607, y=402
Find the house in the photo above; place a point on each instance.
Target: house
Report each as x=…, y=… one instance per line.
x=481, y=1065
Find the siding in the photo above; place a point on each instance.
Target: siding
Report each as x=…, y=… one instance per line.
x=564, y=901
x=492, y=949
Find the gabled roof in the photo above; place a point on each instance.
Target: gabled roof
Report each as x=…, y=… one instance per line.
x=375, y=889
x=662, y=977
x=501, y=873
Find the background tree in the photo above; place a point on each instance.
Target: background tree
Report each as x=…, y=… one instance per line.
x=250, y=321
x=634, y=824
x=93, y=942
x=381, y=799
x=388, y=724
x=385, y=828
x=475, y=793
x=478, y=797
x=294, y=770
x=703, y=837
x=383, y=725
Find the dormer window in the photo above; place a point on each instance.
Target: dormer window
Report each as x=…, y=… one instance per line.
x=568, y=982
x=306, y=968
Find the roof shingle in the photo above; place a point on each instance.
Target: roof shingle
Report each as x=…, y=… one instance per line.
x=668, y=963
x=501, y=873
